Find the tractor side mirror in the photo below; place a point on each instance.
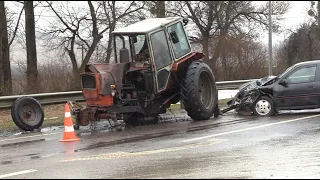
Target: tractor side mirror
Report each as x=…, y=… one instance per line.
x=284, y=82
x=174, y=37
x=185, y=21
x=134, y=39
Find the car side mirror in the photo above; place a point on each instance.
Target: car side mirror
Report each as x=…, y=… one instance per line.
x=174, y=37
x=284, y=82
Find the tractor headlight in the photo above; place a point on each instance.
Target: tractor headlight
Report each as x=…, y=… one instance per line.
x=113, y=90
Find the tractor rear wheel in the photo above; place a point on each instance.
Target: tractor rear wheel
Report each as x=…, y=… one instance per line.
x=200, y=95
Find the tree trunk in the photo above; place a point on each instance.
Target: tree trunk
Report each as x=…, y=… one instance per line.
x=5, y=68
x=76, y=74
x=218, y=49
x=160, y=9
x=205, y=50
x=224, y=66
x=89, y=53
x=309, y=45
x=318, y=10
x=110, y=44
x=32, y=71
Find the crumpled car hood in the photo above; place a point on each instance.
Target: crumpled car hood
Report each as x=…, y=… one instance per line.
x=266, y=79
x=256, y=83
x=248, y=93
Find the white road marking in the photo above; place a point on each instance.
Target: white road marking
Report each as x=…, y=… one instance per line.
x=50, y=118
x=18, y=173
x=250, y=128
x=53, y=118
x=28, y=137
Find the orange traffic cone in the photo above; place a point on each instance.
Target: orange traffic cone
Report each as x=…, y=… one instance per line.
x=69, y=134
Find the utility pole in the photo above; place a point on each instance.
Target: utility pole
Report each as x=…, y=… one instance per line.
x=270, y=40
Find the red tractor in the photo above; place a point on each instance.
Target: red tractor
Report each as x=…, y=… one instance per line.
x=153, y=68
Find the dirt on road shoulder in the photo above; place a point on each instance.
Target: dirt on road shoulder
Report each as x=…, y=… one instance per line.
x=53, y=115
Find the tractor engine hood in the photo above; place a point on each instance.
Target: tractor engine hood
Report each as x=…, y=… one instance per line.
x=110, y=74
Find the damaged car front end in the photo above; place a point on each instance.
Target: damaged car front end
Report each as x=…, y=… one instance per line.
x=248, y=94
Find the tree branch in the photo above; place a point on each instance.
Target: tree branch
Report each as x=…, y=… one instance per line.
x=16, y=28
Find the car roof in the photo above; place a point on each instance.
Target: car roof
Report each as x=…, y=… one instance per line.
x=146, y=25
x=308, y=62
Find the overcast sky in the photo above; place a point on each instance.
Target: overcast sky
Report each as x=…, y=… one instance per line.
x=296, y=15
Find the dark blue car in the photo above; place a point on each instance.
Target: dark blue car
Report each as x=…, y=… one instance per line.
x=297, y=88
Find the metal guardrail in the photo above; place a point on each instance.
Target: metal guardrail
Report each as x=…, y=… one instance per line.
x=44, y=98
x=62, y=97
x=221, y=85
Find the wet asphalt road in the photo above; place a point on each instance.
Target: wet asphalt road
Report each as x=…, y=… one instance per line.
x=231, y=146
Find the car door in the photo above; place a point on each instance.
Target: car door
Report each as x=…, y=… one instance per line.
x=301, y=89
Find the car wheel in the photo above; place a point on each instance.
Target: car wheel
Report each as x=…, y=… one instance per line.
x=263, y=107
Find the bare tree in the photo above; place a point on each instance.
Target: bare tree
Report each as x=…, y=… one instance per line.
x=218, y=19
x=315, y=12
x=74, y=27
x=302, y=44
x=32, y=70
x=157, y=8
x=241, y=59
x=5, y=68
x=115, y=15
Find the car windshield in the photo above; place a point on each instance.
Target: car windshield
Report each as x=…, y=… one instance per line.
x=285, y=72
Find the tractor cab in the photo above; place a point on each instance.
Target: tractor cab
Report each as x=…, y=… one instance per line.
x=155, y=43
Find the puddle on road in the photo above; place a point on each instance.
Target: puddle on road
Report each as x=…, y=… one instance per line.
x=18, y=144
x=32, y=154
x=35, y=157
x=6, y=162
x=50, y=129
x=160, y=134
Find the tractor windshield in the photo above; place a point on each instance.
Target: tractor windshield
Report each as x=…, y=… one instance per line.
x=131, y=48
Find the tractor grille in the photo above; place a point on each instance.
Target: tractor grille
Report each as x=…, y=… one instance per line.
x=88, y=82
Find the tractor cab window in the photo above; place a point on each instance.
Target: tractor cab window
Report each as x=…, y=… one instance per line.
x=140, y=48
x=122, y=48
x=160, y=49
x=179, y=40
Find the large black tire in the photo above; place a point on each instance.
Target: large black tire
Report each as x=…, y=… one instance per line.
x=263, y=106
x=27, y=113
x=200, y=94
x=136, y=119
